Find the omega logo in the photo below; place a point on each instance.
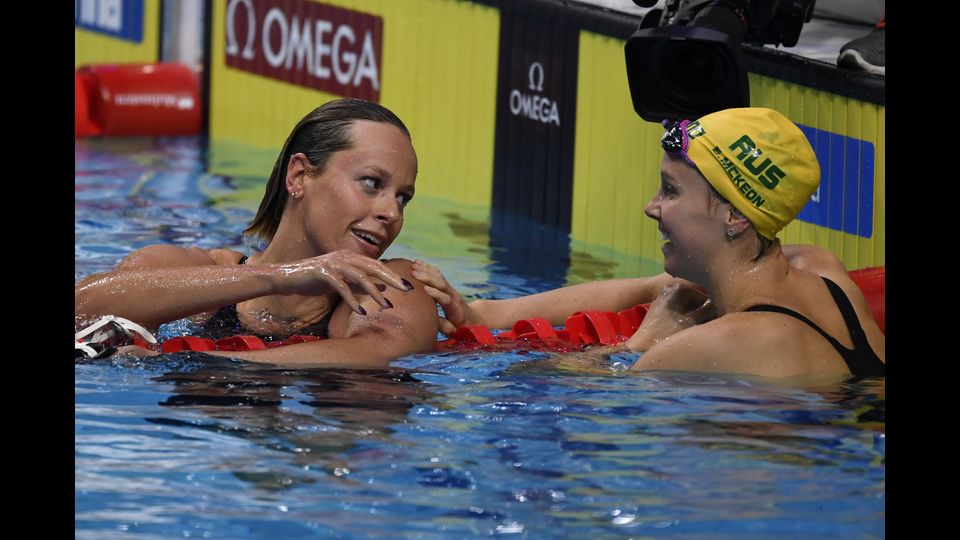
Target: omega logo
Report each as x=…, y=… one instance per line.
x=306, y=43
x=232, y=46
x=535, y=68
x=535, y=107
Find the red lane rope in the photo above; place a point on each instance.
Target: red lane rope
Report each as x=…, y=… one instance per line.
x=586, y=327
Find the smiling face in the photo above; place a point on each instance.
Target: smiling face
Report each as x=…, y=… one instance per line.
x=690, y=219
x=356, y=202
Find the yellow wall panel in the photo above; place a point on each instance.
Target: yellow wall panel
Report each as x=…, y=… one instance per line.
x=880, y=198
x=439, y=75
x=617, y=157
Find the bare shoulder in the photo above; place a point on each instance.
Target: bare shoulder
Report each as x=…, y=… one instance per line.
x=165, y=256
x=823, y=262
x=814, y=259
x=224, y=256
x=401, y=266
x=751, y=343
x=413, y=316
x=415, y=301
x=698, y=348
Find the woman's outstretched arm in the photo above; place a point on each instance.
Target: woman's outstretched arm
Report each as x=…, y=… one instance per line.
x=555, y=305
x=163, y=283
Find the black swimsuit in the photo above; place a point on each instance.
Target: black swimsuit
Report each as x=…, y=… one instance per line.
x=225, y=322
x=861, y=360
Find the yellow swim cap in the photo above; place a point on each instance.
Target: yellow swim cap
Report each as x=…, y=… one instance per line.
x=758, y=160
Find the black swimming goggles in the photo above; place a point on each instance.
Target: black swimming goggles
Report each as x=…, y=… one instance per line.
x=675, y=140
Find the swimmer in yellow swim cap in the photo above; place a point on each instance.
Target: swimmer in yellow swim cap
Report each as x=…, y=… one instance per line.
x=732, y=299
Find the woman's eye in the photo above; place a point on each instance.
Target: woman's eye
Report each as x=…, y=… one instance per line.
x=370, y=183
x=403, y=199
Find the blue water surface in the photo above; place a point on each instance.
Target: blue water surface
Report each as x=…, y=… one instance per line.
x=464, y=444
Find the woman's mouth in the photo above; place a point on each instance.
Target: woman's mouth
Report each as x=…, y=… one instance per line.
x=666, y=239
x=369, y=242
x=367, y=237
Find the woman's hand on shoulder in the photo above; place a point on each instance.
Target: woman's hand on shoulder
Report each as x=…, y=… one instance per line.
x=456, y=310
x=404, y=325
x=677, y=308
x=343, y=272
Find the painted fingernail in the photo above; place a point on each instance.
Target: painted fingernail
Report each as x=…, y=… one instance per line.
x=362, y=311
x=407, y=284
x=389, y=303
x=381, y=287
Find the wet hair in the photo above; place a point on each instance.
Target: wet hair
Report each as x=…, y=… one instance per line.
x=323, y=132
x=764, y=242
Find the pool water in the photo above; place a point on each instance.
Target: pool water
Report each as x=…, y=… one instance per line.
x=515, y=444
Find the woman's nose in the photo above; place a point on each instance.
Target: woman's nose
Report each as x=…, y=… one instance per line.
x=387, y=209
x=652, y=209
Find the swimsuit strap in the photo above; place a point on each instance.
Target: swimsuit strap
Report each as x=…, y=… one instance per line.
x=226, y=322
x=861, y=359
x=787, y=311
x=849, y=314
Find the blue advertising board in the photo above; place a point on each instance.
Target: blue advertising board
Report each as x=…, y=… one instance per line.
x=121, y=19
x=844, y=200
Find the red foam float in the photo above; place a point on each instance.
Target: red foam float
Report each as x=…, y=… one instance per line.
x=137, y=99
x=873, y=283
x=590, y=326
x=188, y=343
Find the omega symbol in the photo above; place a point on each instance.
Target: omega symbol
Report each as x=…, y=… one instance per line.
x=535, y=82
x=232, y=46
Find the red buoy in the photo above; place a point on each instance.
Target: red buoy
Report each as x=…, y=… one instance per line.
x=137, y=99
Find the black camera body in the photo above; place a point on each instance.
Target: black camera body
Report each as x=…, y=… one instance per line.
x=685, y=61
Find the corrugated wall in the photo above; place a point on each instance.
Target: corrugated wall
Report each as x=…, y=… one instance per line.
x=93, y=47
x=617, y=158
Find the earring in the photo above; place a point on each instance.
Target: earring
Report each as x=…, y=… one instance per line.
x=731, y=233
x=295, y=194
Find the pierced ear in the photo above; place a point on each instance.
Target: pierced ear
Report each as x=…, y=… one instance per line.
x=737, y=223
x=296, y=172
